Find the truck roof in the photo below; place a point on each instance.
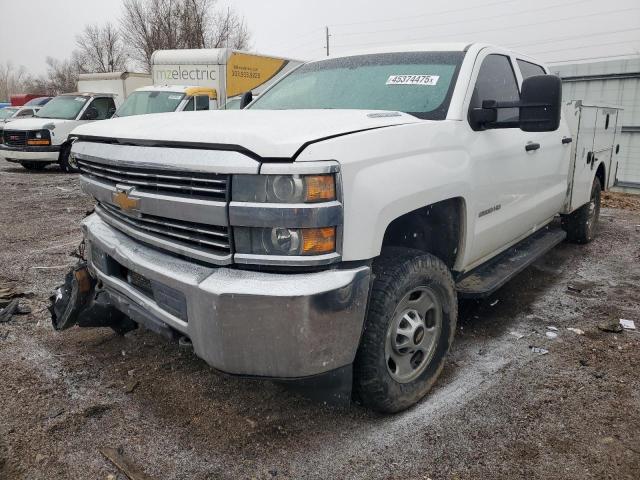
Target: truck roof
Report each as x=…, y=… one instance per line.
x=164, y=88
x=88, y=94
x=430, y=47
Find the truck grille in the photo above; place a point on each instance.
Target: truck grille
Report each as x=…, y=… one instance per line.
x=212, y=239
x=15, y=138
x=205, y=185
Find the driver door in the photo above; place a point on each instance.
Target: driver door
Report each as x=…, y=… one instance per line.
x=506, y=176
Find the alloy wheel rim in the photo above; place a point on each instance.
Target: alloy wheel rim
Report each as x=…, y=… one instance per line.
x=413, y=334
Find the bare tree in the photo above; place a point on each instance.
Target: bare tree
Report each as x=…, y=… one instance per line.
x=61, y=77
x=229, y=30
x=12, y=80
x=150, y=25
x=100, y=49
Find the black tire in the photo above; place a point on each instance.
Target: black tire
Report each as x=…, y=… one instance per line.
x=64, y=160
x=582, y=225
x=37, y=166
x=400, y=272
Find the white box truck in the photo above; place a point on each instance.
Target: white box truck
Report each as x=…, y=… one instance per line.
x=326, y=232
x=204, y=79
x=36, y=142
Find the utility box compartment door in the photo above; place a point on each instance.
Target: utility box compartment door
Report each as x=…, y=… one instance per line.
x=583, y=127
x=603, y=141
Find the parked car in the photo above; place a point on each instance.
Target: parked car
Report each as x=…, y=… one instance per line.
x=39, y=101
x=326, y=232
x=19, y=99
x=37, y=142
x=9, y=114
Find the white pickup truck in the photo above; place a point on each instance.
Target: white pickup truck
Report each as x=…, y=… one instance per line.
x=325, y=233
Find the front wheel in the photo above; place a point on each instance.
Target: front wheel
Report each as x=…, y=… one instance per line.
x=581, y=225
x=408, y=330
x=66, y=164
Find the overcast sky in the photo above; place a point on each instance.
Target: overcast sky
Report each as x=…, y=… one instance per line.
x=548, y=29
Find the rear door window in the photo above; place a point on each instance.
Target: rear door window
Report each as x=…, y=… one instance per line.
x=528, y=69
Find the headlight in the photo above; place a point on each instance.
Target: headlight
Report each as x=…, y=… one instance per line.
x=284, y=188
x=285, y=241
x=39, y=137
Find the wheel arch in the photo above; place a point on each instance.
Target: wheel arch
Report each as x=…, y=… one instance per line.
x=438, y=228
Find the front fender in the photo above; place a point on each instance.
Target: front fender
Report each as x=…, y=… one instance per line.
x=389, y=172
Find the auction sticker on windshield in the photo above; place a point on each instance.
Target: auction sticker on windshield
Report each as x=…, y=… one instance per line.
x=413, y=80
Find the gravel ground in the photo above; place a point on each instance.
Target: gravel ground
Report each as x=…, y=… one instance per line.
x=499, y=410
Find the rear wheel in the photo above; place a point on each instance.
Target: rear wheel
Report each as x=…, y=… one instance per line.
x=582, y=225
x=34, y=165
x=408, y=331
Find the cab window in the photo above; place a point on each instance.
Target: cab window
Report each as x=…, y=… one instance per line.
x=528, y=69
x=105, y=106
x=497, y=81
x=202, y=102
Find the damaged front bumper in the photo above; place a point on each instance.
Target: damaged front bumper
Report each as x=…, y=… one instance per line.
x=278, y=325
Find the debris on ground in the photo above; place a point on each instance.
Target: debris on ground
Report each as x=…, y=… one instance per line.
x=611, y=327
x=124, y=464
x=518, y=335
x=552, y=335
x=627, y=324
x=573, y=288
x=494, y=303
x=131, y=386
x=576, y=330
x=539, y=350
x=7, y=312
x=552, y=328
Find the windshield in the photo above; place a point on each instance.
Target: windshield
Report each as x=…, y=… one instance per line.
x=65, y=107
x=7, y=112
x=152, y=101
x=418, y=83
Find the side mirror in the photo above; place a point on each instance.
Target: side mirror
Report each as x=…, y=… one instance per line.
x=540, y=103
x=246, y=99
x=91, y=113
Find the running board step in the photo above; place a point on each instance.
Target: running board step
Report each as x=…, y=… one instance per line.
x=487, y=278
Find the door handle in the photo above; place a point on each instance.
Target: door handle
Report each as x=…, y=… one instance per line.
x=566, y=140
x=531, y=146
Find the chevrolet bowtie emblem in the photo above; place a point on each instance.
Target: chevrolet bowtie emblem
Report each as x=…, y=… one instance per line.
x=124, y=201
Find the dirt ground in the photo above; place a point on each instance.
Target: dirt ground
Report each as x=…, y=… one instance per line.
x=500, y=410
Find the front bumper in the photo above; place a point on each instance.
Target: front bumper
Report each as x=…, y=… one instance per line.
x=240, y=322
x=30, y=154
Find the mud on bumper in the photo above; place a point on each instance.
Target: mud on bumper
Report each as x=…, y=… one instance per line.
x=240, y=322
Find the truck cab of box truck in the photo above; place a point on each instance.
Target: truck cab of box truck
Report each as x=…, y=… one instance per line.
x=168, y=98
x=43, y=139
x=37, y=142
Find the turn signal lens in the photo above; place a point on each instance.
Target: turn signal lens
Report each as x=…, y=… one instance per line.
x=320, y=188
x=316, y=241
x=35, y=141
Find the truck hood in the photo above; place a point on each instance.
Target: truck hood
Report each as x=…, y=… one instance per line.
x=35, y=123
x=266, y=133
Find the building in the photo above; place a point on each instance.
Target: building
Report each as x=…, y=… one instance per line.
x=616, y=82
